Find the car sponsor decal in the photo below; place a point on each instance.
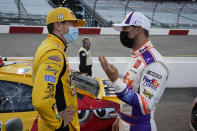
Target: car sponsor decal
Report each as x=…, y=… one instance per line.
x=51, y=69
x=50, y=88
x=154, y=74
x=55, y=111
x=147, y=94
x=50, y=78
x=55, y=58
x=152, y=83
x=137, y=64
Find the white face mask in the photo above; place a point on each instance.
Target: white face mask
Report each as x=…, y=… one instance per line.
x=72, y=34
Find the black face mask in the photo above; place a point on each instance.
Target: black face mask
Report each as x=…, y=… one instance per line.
x=125, y=40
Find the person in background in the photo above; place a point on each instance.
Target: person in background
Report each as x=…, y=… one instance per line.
x=85, y=57
x=54, y=95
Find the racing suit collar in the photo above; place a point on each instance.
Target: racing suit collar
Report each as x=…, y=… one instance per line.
x=60, y=43
x=142, y=49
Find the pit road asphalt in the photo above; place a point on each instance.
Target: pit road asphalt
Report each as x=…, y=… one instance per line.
x=174, y=109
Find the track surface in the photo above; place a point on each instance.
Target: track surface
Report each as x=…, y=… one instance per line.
x=25, y=45
x=174, y=109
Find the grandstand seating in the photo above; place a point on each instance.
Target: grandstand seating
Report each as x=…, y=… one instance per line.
x=166, y=14
x=110, y=11
x=8, y=6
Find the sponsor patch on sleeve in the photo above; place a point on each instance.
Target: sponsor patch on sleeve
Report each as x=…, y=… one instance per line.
x=83, y=54
x=152, y=83
x=50, y=78
x=50, y=88
x=137, y=64
x=154, y=74
x=55, y=111
x=147, y=94
x=128, y=94
x=51, y=69
x=54, y=58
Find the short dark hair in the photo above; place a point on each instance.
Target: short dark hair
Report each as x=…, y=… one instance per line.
x=50, y=28
x=146, y=33
x=84, y=39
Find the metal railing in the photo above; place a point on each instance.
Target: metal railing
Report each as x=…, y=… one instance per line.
x=13, y=18
x=91, y=13
x=176, y=24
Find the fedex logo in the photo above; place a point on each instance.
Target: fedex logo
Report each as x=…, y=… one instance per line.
x=152, y=83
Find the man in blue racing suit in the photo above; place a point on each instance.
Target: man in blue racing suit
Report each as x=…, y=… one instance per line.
x=145, y=76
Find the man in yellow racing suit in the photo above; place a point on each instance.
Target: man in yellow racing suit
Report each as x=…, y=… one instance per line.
x=54, y=96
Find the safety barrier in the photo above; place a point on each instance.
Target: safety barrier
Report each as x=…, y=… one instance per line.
x=91, y=30
x=182, y=69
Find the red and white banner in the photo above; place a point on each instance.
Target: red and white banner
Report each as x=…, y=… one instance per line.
x=91, y=30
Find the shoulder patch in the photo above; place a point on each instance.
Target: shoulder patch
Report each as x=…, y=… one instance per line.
x=83, y=54
x=137, y=64
x=54, y=58
x=148, y=57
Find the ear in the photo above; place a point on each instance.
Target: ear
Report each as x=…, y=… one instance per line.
x=57, y=26
x=139, y=29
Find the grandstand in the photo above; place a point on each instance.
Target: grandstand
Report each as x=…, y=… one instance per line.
x=31, y=12
x=166, y=13
x=37, y=7
x=162, y=13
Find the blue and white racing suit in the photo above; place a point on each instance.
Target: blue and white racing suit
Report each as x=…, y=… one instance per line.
x=141, y=89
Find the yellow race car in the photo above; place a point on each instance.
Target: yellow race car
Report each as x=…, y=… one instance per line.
x=97, y=102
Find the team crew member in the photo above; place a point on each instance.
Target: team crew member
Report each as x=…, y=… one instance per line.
x=145, y=76
x=85, y=57
x=53, y=94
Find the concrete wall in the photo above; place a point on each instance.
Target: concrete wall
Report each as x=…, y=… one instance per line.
x=183, y=72
x=91, y=30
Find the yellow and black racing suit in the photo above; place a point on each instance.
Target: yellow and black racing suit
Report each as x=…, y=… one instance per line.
x=53, y=90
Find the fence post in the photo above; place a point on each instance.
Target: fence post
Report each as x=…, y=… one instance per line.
x=177, y=21
x=126, y=8
x=154, y=12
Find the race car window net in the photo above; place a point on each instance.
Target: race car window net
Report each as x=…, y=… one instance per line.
x=85, y=83
x=15, y=97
